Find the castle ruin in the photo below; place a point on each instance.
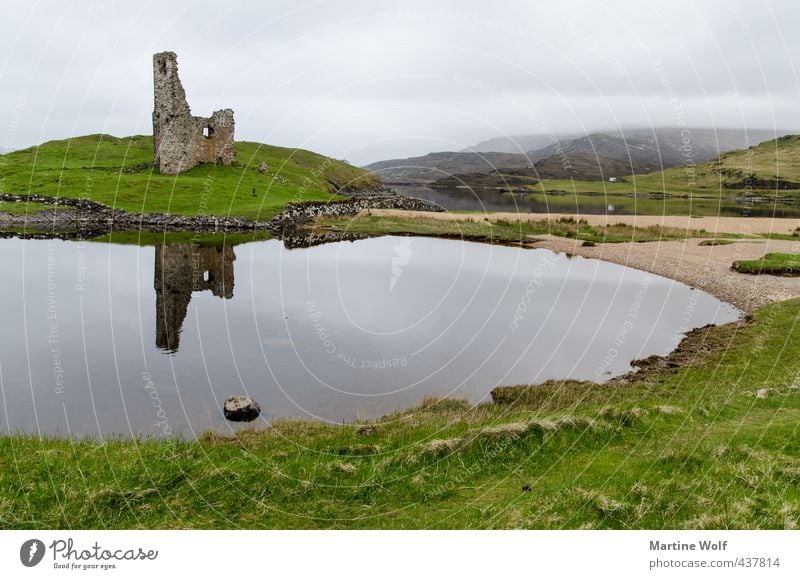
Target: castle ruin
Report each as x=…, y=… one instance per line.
x=180, y=140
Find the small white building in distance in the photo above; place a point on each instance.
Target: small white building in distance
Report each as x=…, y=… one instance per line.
x=612, y=179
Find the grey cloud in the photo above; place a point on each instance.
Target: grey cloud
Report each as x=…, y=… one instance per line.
x=387, y=79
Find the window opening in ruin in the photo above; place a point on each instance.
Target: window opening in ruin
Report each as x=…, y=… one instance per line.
x=207, y=276
x=208, y=132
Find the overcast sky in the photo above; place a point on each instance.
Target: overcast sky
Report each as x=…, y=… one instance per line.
x=372, y=80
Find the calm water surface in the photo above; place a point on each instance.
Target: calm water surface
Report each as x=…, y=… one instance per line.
x=107, y=339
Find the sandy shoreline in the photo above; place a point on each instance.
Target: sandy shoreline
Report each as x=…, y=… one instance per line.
x=704, y=267
x=737, y=225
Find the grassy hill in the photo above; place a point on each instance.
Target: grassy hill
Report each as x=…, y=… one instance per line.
x=119, y=172
x=771, y=166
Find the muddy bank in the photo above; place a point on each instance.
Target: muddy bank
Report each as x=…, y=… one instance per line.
x=697, y=348
x=80, y=218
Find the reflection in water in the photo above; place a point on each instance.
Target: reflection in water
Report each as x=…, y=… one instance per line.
x=180, y=270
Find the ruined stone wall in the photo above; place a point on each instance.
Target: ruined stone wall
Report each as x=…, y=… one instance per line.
x=182, y=141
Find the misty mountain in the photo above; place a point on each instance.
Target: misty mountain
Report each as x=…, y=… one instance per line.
x=581, y=166
x=649, y=150
x=434, y=166
x=518, y=144
x=614, y=152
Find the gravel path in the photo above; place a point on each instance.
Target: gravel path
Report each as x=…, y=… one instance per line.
x=704, y=267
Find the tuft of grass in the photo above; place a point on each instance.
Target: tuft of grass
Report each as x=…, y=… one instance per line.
x=439, y=447
x=787, y=264
x=712, y=242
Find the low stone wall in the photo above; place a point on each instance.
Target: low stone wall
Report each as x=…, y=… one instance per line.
x=90, y=218
x=296, y=214
x=87, y=218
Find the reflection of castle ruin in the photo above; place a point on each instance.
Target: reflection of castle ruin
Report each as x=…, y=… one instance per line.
x=180, y=270
x=182, y=141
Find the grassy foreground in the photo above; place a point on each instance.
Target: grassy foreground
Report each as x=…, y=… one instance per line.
x=692, y=444
x=118, y=172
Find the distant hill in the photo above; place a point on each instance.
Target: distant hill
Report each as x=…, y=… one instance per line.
x=640, y=151
x=653, y=150
x=501, y=179
x=518, y=143
x=583, y=166
x=119, y=172
x=704, y=141
x=579, y=166
x=434, y=166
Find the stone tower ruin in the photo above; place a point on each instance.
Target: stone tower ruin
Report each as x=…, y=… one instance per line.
x=180, y=140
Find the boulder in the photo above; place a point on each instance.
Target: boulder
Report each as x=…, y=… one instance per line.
x=241, y=409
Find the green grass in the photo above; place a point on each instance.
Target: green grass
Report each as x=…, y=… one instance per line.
x=118, y=172
x=794, y=236
x=687, y=447
x=28, y=208
x=772, y=264
x=501, y=231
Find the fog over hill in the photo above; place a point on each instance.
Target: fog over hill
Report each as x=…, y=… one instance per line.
x=635, y=150
x=729, y=139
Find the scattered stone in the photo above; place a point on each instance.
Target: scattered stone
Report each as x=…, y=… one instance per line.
x=262, y=167
x=365, y=430
x=241, y=409
x=762, y=392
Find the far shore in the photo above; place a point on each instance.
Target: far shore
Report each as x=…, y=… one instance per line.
x=737, y=225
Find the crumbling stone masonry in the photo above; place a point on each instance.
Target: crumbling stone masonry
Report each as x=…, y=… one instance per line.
x=180, y=140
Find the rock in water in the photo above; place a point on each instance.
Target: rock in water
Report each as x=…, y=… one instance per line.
x=241, y=409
